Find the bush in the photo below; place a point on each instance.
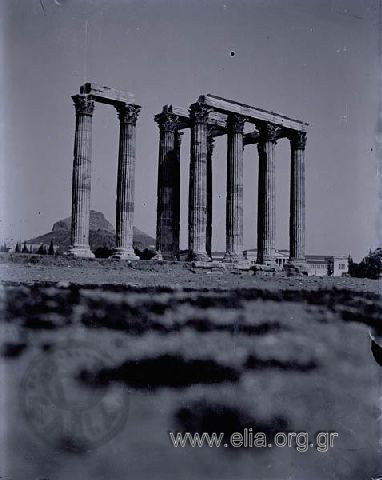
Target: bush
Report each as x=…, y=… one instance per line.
x=146, y=254
x=34, y=259
x=4, y=248
x=103, y=252
x=369, y=267
x=42, y=250
x=51, y=248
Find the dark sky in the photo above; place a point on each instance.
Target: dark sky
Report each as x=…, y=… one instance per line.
x=315, y=60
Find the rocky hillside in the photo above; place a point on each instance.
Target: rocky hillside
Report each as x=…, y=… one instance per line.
x=102, y=234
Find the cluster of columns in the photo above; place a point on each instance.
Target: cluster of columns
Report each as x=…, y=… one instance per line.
x=200, y=188
x=81, y=180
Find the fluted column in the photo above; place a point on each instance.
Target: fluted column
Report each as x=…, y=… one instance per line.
x=81, y=179
x=176, y=203
x=197, y=211
x=297, y=198
x=168, y=216
x=266, y=218
x=234, y=201
x=128, y=115
x=210, y=149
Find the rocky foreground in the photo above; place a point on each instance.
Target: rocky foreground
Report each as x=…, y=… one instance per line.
x=184, y=349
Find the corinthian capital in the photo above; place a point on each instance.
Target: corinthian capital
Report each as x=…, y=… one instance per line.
x=235, y=123
x=167, y=121
x=298, y=140
x=84, y=104
x=268, y=132
x=199, y=113
x=128, y=113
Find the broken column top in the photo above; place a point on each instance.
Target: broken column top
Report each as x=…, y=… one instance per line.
x=104, y=94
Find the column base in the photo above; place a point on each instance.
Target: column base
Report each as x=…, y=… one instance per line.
x=296, y=266
x=81, y=251
x=166, y=256
x=269, y=261
x=233, y=258
x=198, y=257
x=124, y=254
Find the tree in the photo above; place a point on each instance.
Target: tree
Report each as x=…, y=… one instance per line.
x=369, y=267
x=103, y=252
x=25, y=248
x=146, y=254
x=51, y=248
x=17, y=248
x=41, y=250
x=330, y=269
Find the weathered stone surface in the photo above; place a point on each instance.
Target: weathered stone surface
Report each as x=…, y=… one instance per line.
x=105, y=94
x=297, y=198
x=264, y=267
x=251, y=138
x=81, y=180
x=213, y=116
x=267, y=269
x=128, y=115
x=210, y=149
x=208, y=265
x=234, y=200
x=251, y=113
x=197, y=214
x=242, y=265
x=168, y=192
x=296, y=269
x=266, y=220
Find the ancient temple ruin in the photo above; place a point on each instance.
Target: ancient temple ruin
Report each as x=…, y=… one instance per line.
x=81, y=182
x=209, y=117
x=213, y=116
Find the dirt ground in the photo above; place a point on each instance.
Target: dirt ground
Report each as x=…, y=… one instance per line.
x=150, y=348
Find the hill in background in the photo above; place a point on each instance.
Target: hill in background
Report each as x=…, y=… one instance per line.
x=101, y=234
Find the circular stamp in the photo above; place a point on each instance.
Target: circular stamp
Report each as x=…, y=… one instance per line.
x=66, y=412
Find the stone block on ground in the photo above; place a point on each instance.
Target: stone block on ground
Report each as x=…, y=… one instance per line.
x=208, y=265
x=266, y=269
x=296, y=270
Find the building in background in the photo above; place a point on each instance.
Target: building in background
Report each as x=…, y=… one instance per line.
x=281, y=256
x=318, y=265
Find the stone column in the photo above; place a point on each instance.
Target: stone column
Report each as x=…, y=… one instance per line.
x=128, y=115
x=210, y=149
x=178, y=144
x=297, y=198
x=168, y=217
x=266, y=218
x=234, y=205
x=81, y=179
x=197, y=210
